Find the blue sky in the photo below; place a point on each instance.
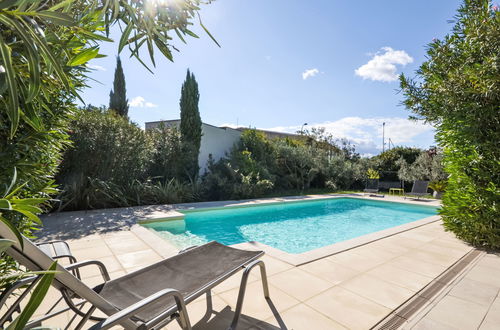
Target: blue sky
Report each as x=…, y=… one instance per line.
x=283, y=63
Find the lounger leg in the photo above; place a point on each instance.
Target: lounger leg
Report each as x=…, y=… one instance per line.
x=210, y=308
x=85, y=318
x=243, y=286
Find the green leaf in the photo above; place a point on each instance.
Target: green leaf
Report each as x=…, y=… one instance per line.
x=28, y=201
x=30, y=215
x=32, y=57
x=84, y=57
x=191, y=33
x=12, y=183
x=27, y=208
x=5, y=204
x=13, y=106
x=180, y=35
x=57, y=18
x=51, y=59
x=13, y=192
x=36, y=299
x=94, y=36
x=14, y=230
x=3, y=80
x=164, y=49
x=207, y=32
x=65, y=3
x=33, y=120
x=124, y=37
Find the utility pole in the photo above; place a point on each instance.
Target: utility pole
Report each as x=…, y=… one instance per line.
x=383, y=137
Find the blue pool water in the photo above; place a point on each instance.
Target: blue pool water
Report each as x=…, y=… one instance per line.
x=291, y=227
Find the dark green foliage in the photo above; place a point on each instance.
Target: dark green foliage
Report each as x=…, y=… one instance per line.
x=258, y=166
x=458, y=90
x=44, y=48
x=118, y=95
x=190, y=126
x=167, y=154
x=428, y=166
x=35, y=152
x=223, y=181
x=387, y=162
x=106, y=147
x=114, y=163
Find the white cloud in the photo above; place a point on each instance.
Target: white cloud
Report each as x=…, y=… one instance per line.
x=382, y=67
x=309, y=73
x=96, y=67
x=366, y=133
x=140, y=102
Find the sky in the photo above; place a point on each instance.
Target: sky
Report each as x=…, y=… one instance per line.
x=284, y=63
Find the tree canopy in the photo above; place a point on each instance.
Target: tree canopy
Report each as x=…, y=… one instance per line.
x=190, y=125
x=118, y=95
x=458, y=90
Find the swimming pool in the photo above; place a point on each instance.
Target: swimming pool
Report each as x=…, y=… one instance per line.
x=293, y=227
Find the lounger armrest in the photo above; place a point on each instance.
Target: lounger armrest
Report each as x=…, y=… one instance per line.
x=130, y=311
x=52, y=242
x=80, y=264
x=187, y=249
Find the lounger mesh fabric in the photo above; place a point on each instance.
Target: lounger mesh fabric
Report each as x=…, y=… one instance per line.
x=420, y=187
x=371, y=185
x=188, y=272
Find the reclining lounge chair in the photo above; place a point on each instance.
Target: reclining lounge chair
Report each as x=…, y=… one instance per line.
x=418, y=189
x=371, y=186
x=151, y=297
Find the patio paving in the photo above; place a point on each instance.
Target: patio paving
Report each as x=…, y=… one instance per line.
x=354, y=289
x=471, y=301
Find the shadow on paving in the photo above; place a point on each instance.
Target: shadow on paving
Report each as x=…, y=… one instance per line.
x=223, y=319
x=78, y=224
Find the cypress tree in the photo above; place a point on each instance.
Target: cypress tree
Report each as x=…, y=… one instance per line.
x=190, y=125
x=118, y=95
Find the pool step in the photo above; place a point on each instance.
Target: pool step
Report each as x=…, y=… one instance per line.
x=157, y=216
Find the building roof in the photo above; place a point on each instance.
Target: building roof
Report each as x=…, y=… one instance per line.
x=270, y=134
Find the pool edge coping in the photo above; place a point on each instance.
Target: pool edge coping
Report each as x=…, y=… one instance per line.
x=300, y=259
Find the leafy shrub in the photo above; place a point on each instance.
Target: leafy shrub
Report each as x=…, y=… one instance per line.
x=98, y=194
x=223, y=181
x=438, y=186
x=344, y=174
x=458, y=90
x=107, y=149
x=428, y=166
x=167, y=153
x=257, y=166
x=372, y=174
x=387, y=161
x=296, y=166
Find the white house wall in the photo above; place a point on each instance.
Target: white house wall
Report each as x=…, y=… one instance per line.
x=216, y=141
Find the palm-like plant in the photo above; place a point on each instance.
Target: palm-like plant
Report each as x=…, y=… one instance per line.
x=44, y=45
x=9, y=272
x=44, y=48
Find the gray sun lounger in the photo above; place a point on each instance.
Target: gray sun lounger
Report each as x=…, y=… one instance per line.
x=371, y=186
x=419, y=189
x=151, y=297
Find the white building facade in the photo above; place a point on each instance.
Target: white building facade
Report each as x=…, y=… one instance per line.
x=215, y=141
